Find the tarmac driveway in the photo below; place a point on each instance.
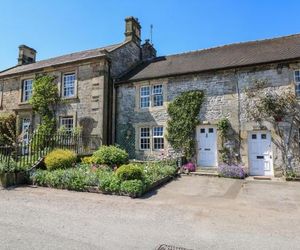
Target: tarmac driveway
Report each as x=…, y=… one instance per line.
x=192, y=212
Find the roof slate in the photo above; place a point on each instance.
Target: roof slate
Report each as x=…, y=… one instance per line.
x=227, y=56
x=73, y=57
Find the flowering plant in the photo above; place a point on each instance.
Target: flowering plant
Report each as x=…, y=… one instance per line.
x=190, y=167
x=232, y=171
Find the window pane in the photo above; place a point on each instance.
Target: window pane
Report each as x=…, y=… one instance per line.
x=145, y=97
x=158, y=100
x=69, y=85
x=157, y=89
x=145, y=143
x=27, y=90
x=298, y=89
x=253, y=136
x=145, y=91
x=145, y=132
x=202, y=130
x=158, y=131
x=297, y=76
x=263, y=136
x=67, y=123
x=210, y=130
x=157, y=95
x=158, y=143
x=145, y=138
x=145, y=102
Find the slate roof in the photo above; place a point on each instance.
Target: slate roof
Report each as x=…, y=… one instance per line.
x=73, y=57
x=228, y=56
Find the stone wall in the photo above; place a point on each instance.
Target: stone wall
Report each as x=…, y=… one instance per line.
x=224, y=97
x=87, y=106
x=124, y=58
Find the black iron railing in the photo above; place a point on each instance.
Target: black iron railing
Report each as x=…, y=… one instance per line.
x=25, y=154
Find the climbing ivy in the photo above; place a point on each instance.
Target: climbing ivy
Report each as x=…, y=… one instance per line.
x=223, y=128
x=44, y=102
x=183, y=112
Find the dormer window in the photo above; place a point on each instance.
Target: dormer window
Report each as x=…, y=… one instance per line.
x=26, y=90
x=68, y=88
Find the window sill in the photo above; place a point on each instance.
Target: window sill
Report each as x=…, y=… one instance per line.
x=24, y=103
x=150, y=109
x=70, y=99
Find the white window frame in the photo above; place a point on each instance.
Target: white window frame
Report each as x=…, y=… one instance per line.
x=26, y=92
x=297, y=82
x=66, y=89
x=144, y=96
x=158, y=94
x=151, y=96
x=143, y=137
x=151, y=138
x=156, y=136
x=66, y=118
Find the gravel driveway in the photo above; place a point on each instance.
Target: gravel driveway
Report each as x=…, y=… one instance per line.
x=190, y=212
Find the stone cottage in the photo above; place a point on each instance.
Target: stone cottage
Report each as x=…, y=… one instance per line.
x=121, y=92
x=85, y=82
x=224, y=74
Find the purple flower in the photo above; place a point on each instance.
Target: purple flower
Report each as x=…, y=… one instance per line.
x=232, y=171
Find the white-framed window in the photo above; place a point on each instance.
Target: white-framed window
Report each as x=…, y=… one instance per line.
x=145, y=97
x=151, y=96
x=67, y=122
x=68, y=88
x=144, y=138
x=26, y=90
x=158, y=138
x=297, y=82
x=158, y=98
x=152, y=138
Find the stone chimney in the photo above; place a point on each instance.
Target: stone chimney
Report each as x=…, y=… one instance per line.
x=26, y=55
x=148, y=51
x=132, y=30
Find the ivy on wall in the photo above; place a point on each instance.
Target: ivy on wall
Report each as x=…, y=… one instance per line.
x=183, y=112
x=223, y=128
x=44, y=101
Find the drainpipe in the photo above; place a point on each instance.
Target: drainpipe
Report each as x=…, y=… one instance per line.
x=239, y=112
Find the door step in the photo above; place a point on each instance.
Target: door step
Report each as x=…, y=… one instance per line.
x=205, y=172
x=263, y=178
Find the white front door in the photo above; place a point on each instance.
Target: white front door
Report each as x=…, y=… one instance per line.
x=207, y=146
x=260, y=153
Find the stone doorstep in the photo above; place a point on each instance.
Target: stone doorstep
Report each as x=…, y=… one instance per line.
x=205, y=172
x=263, y=178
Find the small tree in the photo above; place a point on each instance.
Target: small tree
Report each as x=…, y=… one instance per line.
x=184, y=112
x=44, y=101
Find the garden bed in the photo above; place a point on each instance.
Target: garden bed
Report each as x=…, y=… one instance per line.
x=102, y=179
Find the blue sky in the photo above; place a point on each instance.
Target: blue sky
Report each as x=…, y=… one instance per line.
x=59, y=27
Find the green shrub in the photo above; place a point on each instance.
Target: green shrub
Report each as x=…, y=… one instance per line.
x=10, y=167
x=60, y=158
x=74, y=178
x=110, y=155
x=130, y=172
x=132, y=187
x=87, y=160
x=109, y=182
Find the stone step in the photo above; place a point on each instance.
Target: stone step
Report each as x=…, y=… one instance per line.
x=205, y=173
